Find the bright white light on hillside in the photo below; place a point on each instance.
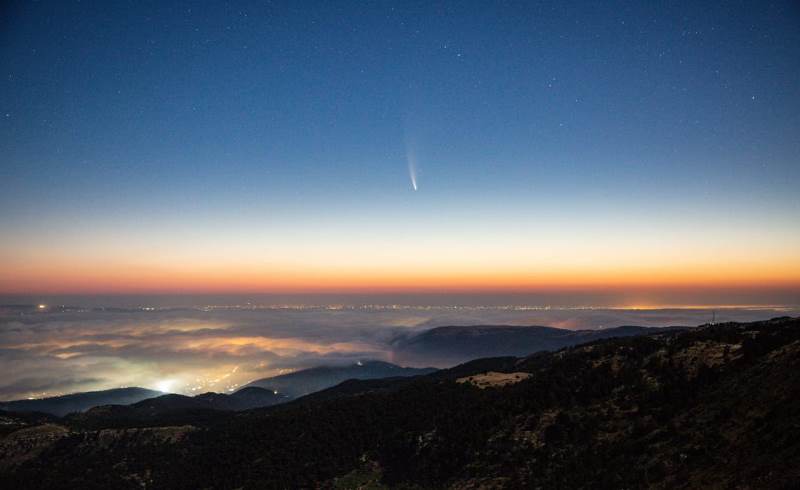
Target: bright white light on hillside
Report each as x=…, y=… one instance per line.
x=165, y=385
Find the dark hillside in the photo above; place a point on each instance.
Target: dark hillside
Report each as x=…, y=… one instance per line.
x=448, y=346
x=717, y=406
x=78, y=402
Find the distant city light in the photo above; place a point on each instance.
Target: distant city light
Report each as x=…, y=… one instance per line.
x=164, y=385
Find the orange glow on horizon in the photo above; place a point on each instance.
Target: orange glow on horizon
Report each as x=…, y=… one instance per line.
x=436, y=265
x=454, y=257
x=121, y=279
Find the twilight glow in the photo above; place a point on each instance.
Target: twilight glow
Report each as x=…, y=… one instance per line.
x=613, y=153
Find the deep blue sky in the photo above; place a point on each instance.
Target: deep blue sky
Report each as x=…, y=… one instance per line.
x=221, y=117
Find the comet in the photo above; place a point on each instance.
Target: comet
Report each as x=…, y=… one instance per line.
x=411, y=157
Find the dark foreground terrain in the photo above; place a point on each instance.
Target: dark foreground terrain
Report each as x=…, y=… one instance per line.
x=713, y=407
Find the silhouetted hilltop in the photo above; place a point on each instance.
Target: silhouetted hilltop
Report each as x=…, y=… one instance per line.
x=449, y=346
x=167, y=409
x=79, y=402
x=307, y=381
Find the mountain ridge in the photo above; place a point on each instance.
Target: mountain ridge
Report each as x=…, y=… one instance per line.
x=447, y=346
x=79, y=402
x=306, y=381
x=716, y=406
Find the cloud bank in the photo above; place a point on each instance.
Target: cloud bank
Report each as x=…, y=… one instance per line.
x=46, y=353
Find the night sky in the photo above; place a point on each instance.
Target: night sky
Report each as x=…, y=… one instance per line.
x=166, y=147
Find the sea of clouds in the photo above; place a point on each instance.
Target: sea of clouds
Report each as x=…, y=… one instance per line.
x=192, y=350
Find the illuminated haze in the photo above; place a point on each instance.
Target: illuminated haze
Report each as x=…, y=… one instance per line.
x=194, y=350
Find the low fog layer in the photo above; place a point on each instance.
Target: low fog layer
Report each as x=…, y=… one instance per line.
x=50, y=352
